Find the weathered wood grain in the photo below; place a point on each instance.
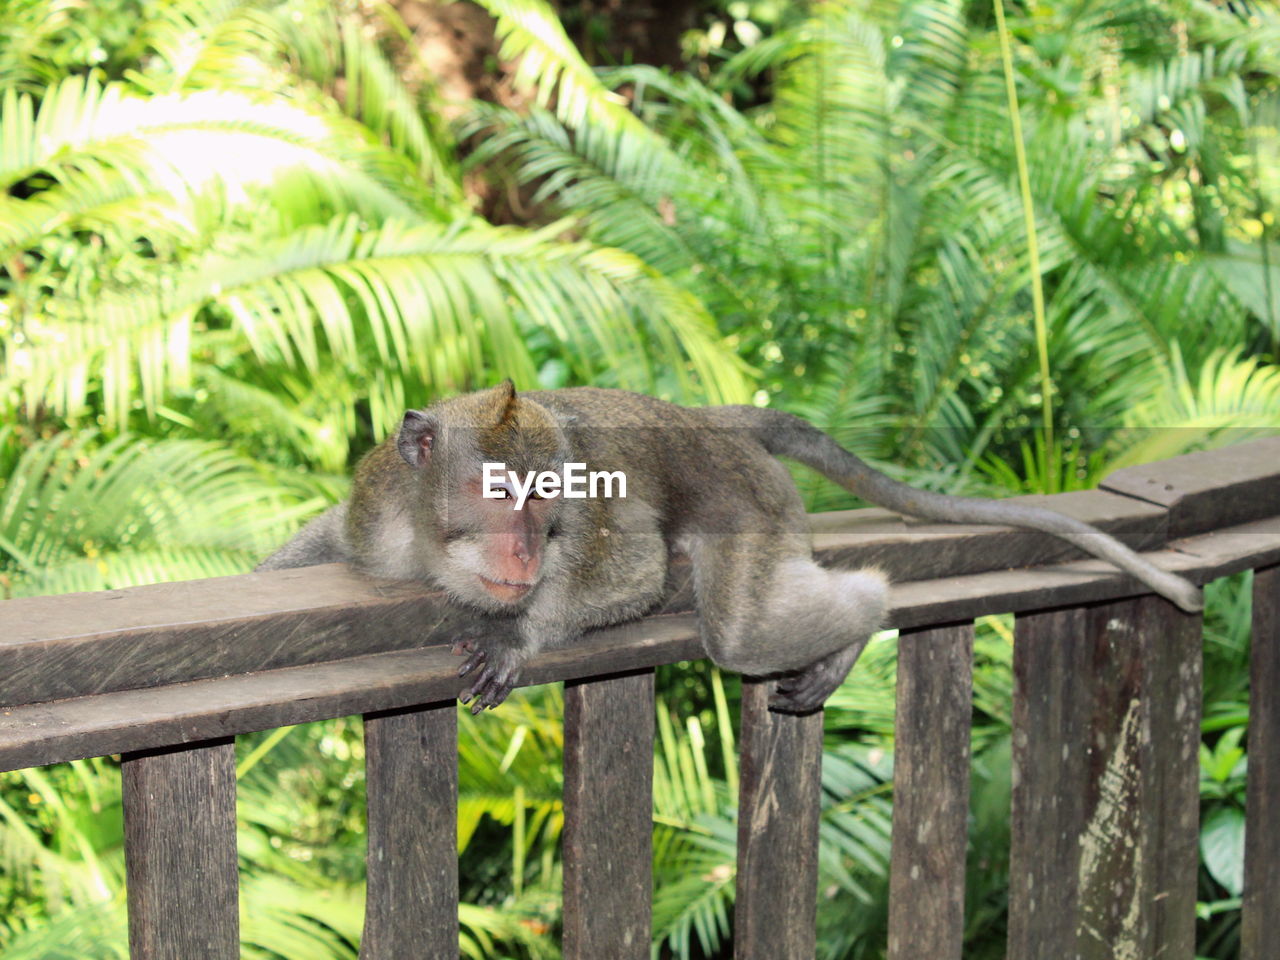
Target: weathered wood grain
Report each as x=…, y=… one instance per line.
x=608, y=817
x=1262, y=830
x=79, y=644
x=180, y=852
x=411, y=765
x=1210, y=489
x=1175, y=675
x=780, y=793
x=931, y=793
x=137, y=719
x=1200, y=559
x=1107, y=703
x=54, y=648
x=107, y=723
x=1053, y=659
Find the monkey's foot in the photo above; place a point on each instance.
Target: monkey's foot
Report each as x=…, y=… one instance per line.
x=498, y=676
x=808, y=689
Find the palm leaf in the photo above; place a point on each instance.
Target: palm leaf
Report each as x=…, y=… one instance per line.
x=1232, y=399
x=79, y=515
x=549, y=66
x=435, y=300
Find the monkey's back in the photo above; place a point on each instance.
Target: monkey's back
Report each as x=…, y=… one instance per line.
x=701, y=475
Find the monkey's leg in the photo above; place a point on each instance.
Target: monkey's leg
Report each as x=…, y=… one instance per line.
x=766, y=608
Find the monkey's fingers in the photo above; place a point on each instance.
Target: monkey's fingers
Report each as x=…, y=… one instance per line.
x=480, y=688
x=477, y=659
x=795, y=705
x=497, y=693
x=491, y=688
x=492, y=695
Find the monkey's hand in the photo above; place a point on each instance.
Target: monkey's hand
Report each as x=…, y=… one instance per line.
x=497, y=670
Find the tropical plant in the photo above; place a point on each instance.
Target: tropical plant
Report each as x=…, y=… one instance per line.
x=235, y=244
x=869, y=210
x=261, y=231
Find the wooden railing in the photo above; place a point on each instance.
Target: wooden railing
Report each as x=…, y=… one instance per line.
x=1106, y=715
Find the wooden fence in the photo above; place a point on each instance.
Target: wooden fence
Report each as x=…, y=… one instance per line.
x=1106, y=716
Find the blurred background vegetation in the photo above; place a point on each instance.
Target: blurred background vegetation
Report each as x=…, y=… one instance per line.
x=238, y=239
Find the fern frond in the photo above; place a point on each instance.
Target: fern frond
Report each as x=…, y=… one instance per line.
x=549, y=66
x=1232, y=399
x=414, y=297
x=83, y=515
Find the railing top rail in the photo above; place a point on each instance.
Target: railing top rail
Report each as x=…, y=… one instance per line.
x=89, y=674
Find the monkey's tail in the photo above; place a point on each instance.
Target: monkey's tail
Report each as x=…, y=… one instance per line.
x=785, y=435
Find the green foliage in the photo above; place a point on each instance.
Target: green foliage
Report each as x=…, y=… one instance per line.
x=235, y=244
x=258, y=224
x=77, y=513
x=859, y=232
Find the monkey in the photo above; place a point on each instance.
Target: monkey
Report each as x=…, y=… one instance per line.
x=701, y=482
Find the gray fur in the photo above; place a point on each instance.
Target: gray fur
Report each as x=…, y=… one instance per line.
x=322, y=540
x=701, y=482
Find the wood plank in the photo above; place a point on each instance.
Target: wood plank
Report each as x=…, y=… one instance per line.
x=136, y=719
x=1051, y=707
x=180, y=852
x=608, y=817
x=931, y=793
x=1200, y=559
x=1262, y=831
x=75, y=645
x=79, y=644
x=1208, y=489
x=1107, y=704
x=1175, y=676
x=411, y=769
x=42, y=733
x=779, y=801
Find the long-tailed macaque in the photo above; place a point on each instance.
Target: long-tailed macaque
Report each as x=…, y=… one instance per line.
x=703, y=482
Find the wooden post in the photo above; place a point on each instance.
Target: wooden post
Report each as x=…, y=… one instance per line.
x=180, y=852
x=1107, y=704
x=608, y=817
x=931, y=793
x=1262, y=829
x=775, y=917
x=411, y=770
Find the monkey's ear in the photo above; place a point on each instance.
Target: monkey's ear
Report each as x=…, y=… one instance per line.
x=417, y=437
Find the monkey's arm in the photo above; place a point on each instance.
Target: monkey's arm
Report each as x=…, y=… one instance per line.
x=783, y=434
x=322, y=540
x=616, y=573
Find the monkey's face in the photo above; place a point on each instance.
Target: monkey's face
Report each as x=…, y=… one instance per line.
x=496, y=554
x=490, y=551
